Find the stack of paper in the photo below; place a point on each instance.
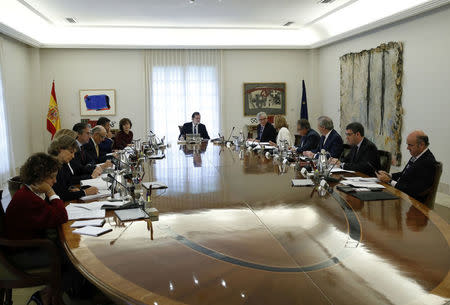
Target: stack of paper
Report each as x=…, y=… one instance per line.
x=131, y=214
x=302, y=182
x=92, y=231
x=100, y=194
x=97, y=182
x=363, y=184
x=340, y=170
x=81, y=213
x=97, y=205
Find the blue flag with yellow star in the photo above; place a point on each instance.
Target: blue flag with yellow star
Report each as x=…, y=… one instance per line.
x=304, y=106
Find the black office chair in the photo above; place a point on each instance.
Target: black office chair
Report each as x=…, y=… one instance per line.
x=385, y=160
x=14, y=184
x=430, y=193
x=12, y=277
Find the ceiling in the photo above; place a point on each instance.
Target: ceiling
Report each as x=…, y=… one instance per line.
x=200, y=24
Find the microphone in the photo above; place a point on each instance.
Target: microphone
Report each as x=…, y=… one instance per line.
x=126, y=188
x=230, y=134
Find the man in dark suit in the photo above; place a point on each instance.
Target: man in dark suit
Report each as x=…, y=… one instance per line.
x=265, y=131
x=330, y=140
x=81, y=162
x=363, y=157
x=310, y=138
x=92, y=148
x=418, y=174
x=194, y=127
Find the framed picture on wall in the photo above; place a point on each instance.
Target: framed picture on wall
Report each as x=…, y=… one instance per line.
x=267, y=97
x=97, y=102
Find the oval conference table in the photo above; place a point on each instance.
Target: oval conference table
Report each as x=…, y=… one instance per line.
x=232, y=230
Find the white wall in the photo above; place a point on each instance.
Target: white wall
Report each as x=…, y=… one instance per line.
x=75, y=69
x=250, y=66
x=426, y=81
x=18, y=74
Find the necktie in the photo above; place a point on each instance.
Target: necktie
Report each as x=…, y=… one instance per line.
x=195, y=129
x=96, y=149
x=261, y=132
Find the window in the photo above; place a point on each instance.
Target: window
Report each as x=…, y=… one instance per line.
x=180, y=83
x=5, y=154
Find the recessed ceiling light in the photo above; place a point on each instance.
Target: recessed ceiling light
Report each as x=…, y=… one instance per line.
x=288, y=23
x=325, y=1
x=191, y=1
x=71, y=20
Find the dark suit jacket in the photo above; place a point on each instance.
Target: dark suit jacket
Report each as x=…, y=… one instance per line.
x=333, y=145
x=187, y=129
x=417, y=176
x=269, y=133
x=91, y=153
x=63, y=182
x=358, y=159
x=309, y=142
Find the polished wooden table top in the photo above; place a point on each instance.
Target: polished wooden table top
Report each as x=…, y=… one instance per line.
x=232, y=230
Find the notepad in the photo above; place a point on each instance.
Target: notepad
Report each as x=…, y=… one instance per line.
x=85, y=223
x=79, y=213
x=155, y=185
x=131, y=214
x=97, y=182
x=92, y=231
x=302, y=182
x=100, y=194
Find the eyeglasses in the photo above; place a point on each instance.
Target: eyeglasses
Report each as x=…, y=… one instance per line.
x=348, y=134
x=262, y=119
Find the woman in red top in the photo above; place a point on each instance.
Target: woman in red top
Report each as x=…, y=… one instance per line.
x=34, y=209
x=124, y=136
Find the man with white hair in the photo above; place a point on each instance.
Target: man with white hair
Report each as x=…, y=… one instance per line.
x=330, y=140
x=265, y=131
x=98, y=134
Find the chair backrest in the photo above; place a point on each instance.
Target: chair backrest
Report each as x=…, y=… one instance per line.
x=431, y=192
x=180, y=127
x=347, y=148
x=385, y=160
x=14, y=184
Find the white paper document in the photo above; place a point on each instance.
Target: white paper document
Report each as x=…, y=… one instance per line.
x=96, y=205
x=302, y=182
x=369, y=185
x=92, y=231
x=97, y=182
x=79, y=213
x=100, y=194
x=155, y=185
x=340, y=170
x=91, y=222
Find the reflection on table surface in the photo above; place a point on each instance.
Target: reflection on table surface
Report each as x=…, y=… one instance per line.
x=232, y=230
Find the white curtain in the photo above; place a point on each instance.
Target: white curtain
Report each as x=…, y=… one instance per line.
x=6, y=156
x=180, y=82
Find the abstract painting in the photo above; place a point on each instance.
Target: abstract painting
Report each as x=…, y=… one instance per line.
x=267, y=97
x=371, y=92
x=98, y=102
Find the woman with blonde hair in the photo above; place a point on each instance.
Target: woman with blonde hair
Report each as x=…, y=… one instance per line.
x=283, y=132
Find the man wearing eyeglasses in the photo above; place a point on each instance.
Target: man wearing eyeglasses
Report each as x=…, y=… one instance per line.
x=363, y=156
x=98, y=134
x=265, y=131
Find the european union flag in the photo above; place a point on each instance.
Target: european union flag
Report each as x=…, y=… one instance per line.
x=304, y=106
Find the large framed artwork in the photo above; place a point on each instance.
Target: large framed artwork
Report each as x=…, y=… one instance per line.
x=267, y=97
x=97, y=102
x=371, y=93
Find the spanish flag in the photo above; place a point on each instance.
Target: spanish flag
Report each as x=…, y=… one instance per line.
x=53, y=122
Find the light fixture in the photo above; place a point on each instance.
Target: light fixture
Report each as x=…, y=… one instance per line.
x=191, y=1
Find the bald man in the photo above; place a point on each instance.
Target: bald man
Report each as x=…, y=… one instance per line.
x=98, y=134
x=418, y=174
